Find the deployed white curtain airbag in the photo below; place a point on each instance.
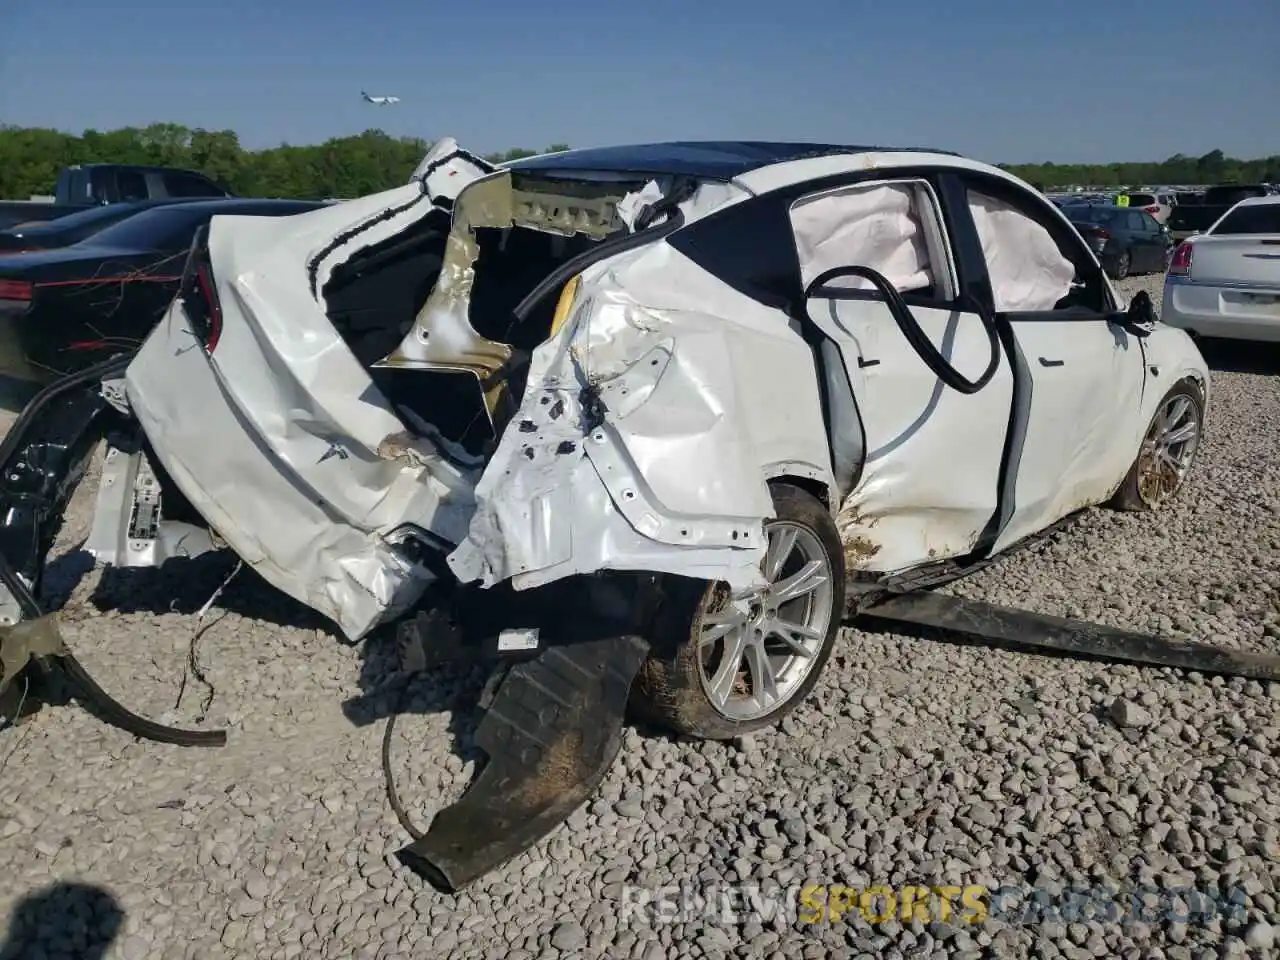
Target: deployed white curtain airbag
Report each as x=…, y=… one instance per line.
x=868, y=226
x=1028, y=271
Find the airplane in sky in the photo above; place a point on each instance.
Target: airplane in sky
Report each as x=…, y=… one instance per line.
x=380, y=101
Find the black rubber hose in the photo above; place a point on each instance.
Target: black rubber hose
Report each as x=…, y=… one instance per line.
x=51, y=391
x=918, y=339
x=125, y=719
x=607, y=248
x=393, y=796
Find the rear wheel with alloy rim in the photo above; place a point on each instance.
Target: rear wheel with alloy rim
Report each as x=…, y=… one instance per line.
x=746, y=660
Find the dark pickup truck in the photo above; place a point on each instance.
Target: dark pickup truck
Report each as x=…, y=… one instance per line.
x=94, y=184
x=1190, y=218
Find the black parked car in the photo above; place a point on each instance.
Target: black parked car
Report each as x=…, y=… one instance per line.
x=1127, y=241
x=64, y=309
x=73, y=228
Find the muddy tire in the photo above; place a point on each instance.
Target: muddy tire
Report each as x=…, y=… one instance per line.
x=1168, y=450
x=740, y=665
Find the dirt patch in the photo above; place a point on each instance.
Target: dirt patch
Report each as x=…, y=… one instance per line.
x=858, y=549
x=561, y=770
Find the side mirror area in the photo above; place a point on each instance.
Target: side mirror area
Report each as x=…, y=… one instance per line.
x=1140, y=317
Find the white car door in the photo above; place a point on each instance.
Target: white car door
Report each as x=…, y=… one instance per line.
x=1084, y=370
x=930, y=455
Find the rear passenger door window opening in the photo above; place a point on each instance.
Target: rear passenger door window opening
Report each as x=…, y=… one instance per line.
x=931, y=457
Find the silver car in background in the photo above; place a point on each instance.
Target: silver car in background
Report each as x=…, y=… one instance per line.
x=1226, y=282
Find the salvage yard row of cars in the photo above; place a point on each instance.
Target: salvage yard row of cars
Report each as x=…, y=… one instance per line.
x=690, y=398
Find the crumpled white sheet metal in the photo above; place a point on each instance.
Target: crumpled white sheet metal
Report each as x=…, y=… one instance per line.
x=1028, y=271
x=288, y=457
x=312, y=470
x=413, y=201
x=674, y=479
x=459, y=166
x=871, y=226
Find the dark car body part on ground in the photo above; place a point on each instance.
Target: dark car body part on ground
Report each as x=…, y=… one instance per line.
x=1191, y=218
x=63, y=309
x=1005, y=625
x=93, y=184
x=552, y=730
x=42, y=460
x=551, y=735
x=1126, y=241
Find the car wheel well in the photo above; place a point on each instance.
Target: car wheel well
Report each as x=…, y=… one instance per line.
x=809, y=485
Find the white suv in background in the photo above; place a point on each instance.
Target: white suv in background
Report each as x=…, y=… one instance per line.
x=1158, y=205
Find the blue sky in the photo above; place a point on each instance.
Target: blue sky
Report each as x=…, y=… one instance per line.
x=999, y=80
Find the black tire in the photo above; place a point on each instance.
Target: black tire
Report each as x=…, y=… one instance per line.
x=1121, y=269
x=1136, y=492
x=669, y=689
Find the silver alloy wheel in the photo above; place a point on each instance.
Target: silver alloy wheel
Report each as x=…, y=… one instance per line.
x=1168, y=449
x=755, y=650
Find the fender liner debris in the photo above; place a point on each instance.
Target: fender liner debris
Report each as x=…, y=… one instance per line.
x=551, y=734
x=1007, y=625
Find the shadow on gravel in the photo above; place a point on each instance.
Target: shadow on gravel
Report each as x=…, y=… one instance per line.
x=184, y=586
x=64, y=920
x=1240, y=356
x=61, y=576
x=455, y=689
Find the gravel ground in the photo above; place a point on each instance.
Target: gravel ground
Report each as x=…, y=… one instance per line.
x=915, y=761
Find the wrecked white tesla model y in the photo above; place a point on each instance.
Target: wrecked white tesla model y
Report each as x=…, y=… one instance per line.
x=651, y=417
x=771, y=368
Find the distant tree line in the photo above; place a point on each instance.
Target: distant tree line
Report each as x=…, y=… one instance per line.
x=1213, y=167
x=30, y=159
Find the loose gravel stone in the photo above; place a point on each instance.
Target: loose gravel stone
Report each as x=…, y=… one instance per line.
x=1128, y=714
x=569, y=936
x=1260, y=936
x=915, y=761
